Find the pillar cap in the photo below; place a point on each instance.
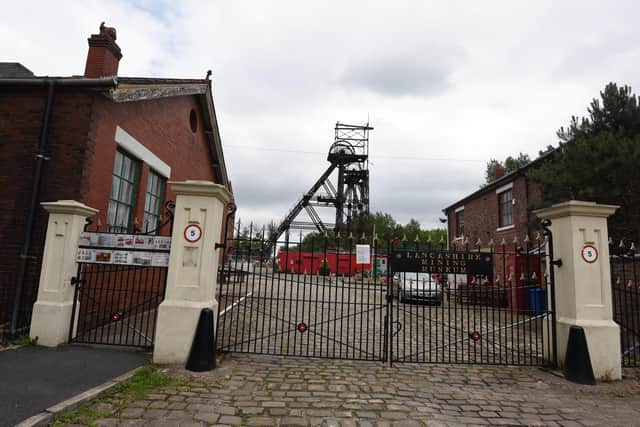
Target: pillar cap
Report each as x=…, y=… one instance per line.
x=69, y=207
x=201, y=188
x=576, y=208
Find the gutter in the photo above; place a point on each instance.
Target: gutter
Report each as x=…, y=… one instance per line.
x=97, y=83
x=50, y=83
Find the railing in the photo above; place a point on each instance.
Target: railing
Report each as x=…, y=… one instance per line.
x=625, y=295
x=120, y=282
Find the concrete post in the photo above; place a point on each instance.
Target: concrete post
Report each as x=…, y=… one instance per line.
x=193, y=266
x=51, y=317
x=583, y=282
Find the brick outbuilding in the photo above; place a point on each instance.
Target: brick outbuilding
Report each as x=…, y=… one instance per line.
x=110, y=142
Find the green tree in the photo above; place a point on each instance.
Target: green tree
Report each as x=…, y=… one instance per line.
x=598, y=159
x=385, y=227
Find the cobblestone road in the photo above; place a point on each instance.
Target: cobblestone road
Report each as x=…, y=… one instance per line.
x=267, y=390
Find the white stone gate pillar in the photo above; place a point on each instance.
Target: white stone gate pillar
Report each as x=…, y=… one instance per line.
x=51, y=318
x=583, y=282
x=193, y=267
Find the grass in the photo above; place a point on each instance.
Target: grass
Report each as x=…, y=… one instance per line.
x=143, y=381
x=24, y=340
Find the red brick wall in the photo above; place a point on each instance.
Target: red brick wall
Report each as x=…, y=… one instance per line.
x=81, y=148
x=481, y=214
x=162, y=126
x=21, y=113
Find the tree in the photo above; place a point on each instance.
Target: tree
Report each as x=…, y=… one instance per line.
x=496, y=169
x=385, y=228
x=598, y=160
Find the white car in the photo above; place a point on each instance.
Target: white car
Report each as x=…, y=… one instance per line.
x=418, y=287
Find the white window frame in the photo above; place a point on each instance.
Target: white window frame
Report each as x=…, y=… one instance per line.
x=504, y=189
x=457, y=211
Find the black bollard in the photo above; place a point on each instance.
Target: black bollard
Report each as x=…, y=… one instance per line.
x=202, y=356
x=577, y=364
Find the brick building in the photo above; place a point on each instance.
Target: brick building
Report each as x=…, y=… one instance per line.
x=110, y=142
x=500, y=210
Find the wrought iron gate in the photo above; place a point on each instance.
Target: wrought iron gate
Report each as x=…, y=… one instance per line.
x=300, y=299
x=119, y=284
x=478, y=304
x=483, y=305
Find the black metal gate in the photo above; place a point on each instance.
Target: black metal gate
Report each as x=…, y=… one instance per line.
x=117, y=293
x=312, y=298
x=472, y=304
x=625, y=296
x=300, y=299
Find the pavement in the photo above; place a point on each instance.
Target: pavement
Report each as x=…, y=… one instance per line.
x=276, y=391
x=33, y=378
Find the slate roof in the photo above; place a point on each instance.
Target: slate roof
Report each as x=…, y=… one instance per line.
x=14, y=70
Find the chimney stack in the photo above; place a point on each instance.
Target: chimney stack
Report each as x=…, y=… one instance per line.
x=104, y=54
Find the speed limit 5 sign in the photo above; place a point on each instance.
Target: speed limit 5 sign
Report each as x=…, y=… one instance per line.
x=192, y=233
x=589, y=253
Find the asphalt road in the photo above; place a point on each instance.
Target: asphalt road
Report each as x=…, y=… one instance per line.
x=33, y=378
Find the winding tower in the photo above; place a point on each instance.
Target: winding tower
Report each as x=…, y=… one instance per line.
x=348, y=197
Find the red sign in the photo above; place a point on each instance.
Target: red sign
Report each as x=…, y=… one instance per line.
x=192, y=233
x=589, y=254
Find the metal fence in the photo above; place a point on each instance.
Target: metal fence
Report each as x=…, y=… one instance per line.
x=625, y=294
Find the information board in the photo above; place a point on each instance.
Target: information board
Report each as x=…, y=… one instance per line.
x=124, y=249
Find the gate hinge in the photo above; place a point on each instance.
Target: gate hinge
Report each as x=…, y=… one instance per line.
x=219, y=246
x=557, y=262
x=76, y=281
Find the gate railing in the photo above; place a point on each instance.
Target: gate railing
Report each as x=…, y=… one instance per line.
x=302, y=297
x=120, y=282
x=625, y=295
x=310, y=297
x=478, y=303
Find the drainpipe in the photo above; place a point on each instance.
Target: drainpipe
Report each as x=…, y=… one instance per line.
x=99, y=84
x=24, y=254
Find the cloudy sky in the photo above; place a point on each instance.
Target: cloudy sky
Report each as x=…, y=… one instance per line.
x=446, y=85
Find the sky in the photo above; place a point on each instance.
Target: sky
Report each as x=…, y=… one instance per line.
x=447, y=86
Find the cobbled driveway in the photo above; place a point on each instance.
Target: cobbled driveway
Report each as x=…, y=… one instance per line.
x=267, y=390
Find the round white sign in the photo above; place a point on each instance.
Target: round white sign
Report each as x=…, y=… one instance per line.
x=192, y=233
x=589, y=254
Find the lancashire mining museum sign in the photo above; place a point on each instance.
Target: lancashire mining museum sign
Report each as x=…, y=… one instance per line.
x=450, y=262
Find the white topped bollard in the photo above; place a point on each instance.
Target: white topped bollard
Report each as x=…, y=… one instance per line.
x=583, y=283
x=51, y=318
x=193, y=266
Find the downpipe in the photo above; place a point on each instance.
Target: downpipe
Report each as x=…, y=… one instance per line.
x=26, y=245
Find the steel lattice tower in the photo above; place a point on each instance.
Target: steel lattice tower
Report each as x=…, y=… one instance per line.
x=349, y=197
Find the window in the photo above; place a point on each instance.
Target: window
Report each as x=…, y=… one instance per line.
x=153, y=202
x=123, y=190
x=505, y=208
x=460, y=223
